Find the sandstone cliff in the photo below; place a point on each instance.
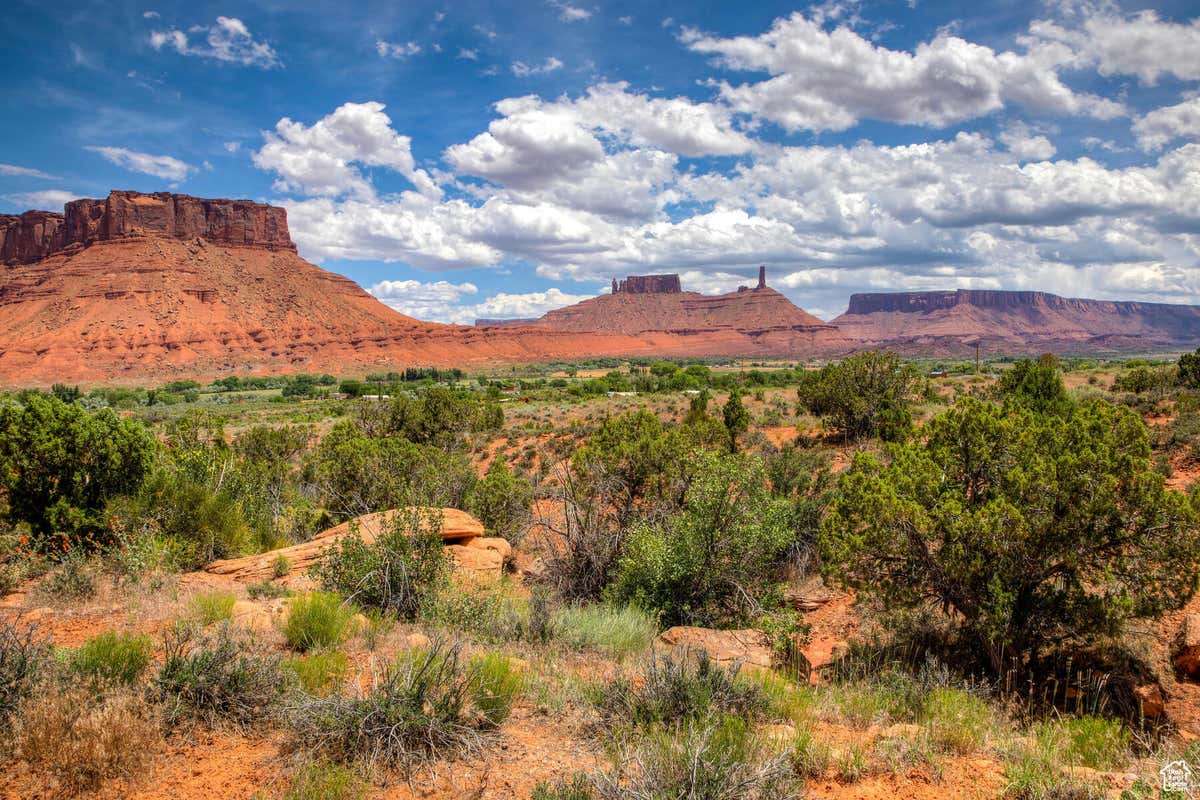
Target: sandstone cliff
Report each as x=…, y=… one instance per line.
x=35, y=235
x=1005, y=321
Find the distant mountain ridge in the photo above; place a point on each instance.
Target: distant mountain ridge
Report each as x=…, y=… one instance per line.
x=1012, y=321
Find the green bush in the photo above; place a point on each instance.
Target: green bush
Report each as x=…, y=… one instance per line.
x=617, y=631
x=265, y=590
x=317, y=620
x=318, y=673
x=709, y=758
x=938, y=521
x=671, y=688
x=213, y=679
x=501, y=501
x=496, y=685
x=578, y=787
x=398, y=572
x=714, y=560
x=418, y=709
x=113, y=657
x=1097, y=743
x=60, y=465
x=280, y=566
x=867, y=394
x=73, y=579
x=325, y=781
x=957, y=721
x=208, y=608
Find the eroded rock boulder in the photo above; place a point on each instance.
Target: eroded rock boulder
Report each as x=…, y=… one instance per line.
x=747, y=647
x=1186, y=655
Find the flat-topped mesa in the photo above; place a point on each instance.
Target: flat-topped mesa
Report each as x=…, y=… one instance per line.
x=916, y=302
x=35, y=235
x=506, y=322
x=648, y=284
x=29, y=237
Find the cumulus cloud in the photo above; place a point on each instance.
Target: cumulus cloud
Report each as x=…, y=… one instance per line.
x=1142, y=44
x=168, y=168
x=829, y=80
x=442, y=301
x=523, y=70
x=397, y=50
x=227, y=40
x=44, y=200
x=1163, y=125
x=1026, y=144
x=25, y=172
x=321, y=159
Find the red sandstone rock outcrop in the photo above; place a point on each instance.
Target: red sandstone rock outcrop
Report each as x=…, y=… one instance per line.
x=1011, y=322
x=747, y=647
x=648, y=284
x=35, y=235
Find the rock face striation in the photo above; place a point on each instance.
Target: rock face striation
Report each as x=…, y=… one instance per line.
x=36, y=235
x=1003, y=321
x=648, y=284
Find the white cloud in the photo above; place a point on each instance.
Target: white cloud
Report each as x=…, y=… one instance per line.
x=1141, y=44
x=1159, y=127
x=25, y=172
x=168, y=168
x=829, y=80
x=45, y=200
x=625, y=20
x=320, y=159
x=232, y=147
x=570, y=13
x=470, y=55
x=442, y=301
x=397, y=50
x=227, y=40
x=1026, y=144
x=523, y=70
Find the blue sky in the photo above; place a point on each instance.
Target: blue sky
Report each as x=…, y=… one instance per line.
x=487, y=159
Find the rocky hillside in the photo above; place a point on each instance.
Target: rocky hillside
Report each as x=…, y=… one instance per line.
x=138, y=287
x=1000, y=321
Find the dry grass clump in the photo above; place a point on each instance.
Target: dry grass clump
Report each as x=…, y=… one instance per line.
x=81, y=738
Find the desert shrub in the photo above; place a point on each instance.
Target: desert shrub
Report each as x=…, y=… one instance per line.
x=321, y=780
x=631, y=458
x=405, y=565
x=736, y=418
x=811, y=756
x=1096, y=742
x=491, y=613
x=710, y=758
x=316, y=620
x=210, y=678
x=496, y=686
x=1189, y=370
x=25, y=658
x=83, y=738
x=60, y=465
x=671, y=688
x=357, y=474
x=435, y=416
x=265, y=590
x=714, y=560
x=280, y=566
x=589, y=532
x=319, y=672
x=501, y=501
x=867, y=394
x=74, y=578
x=113, y=657
x=1101, y=538
x=208, y=608
x=578, y=787
x=1037, y=769
x=418, y=708
x=957, y=721
x=617, y=631
x=1036, y=385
